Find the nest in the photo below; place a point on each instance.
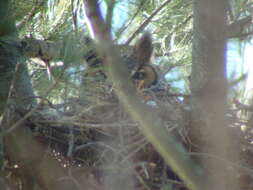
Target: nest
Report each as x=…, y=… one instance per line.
x=95, y=137
x=95, y=132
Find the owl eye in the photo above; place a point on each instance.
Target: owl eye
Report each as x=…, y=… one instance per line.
x=139, y=75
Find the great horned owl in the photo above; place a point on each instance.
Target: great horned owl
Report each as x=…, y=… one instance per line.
x=137, y=60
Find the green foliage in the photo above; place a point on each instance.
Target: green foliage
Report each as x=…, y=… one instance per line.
x=239, y=8
x=171, y=28
x=22, y=8
x=63, y=21
x=7, y=20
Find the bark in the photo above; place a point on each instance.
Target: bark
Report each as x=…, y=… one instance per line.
x=209, y=88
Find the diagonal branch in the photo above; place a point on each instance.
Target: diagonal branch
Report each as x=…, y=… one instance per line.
x=146, y=22
x=30, y=15
x=150, y=124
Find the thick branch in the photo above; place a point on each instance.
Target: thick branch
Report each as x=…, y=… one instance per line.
x=150, y=124
x=44, y=50
x=208, y=128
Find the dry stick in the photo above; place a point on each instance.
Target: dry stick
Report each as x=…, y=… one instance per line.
x=150, y=124
x=145, y=23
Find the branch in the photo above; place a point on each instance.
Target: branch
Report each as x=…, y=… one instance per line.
x=235, y=29
x=238, y=80
x=125, y=26
x=44, y=50
x=242, y=106
x=150, y=124
x=96, y=20
x=27, y=153
x=31, y=14
x=146, y=22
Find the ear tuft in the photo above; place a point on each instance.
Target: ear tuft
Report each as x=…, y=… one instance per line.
x=144, y=49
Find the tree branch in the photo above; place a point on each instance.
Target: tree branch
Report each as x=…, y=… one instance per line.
x=30, y=14
x=235, y=29
x=146, y=22
x=150, y=124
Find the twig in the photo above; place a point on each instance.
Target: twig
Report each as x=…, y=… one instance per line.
x=238, y=80
x=142, y=143
x=172, y=67
x=178, y=95
x=87, y=125
x=241, y=106
x=131, y=19
x=235, y=29
x=146, y=22
x=31, y=14
x=19, y=122
x=71, y=142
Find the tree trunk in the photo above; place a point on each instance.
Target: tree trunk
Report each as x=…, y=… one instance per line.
x=13, y=67
x=209, y=88
x=35, y=167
